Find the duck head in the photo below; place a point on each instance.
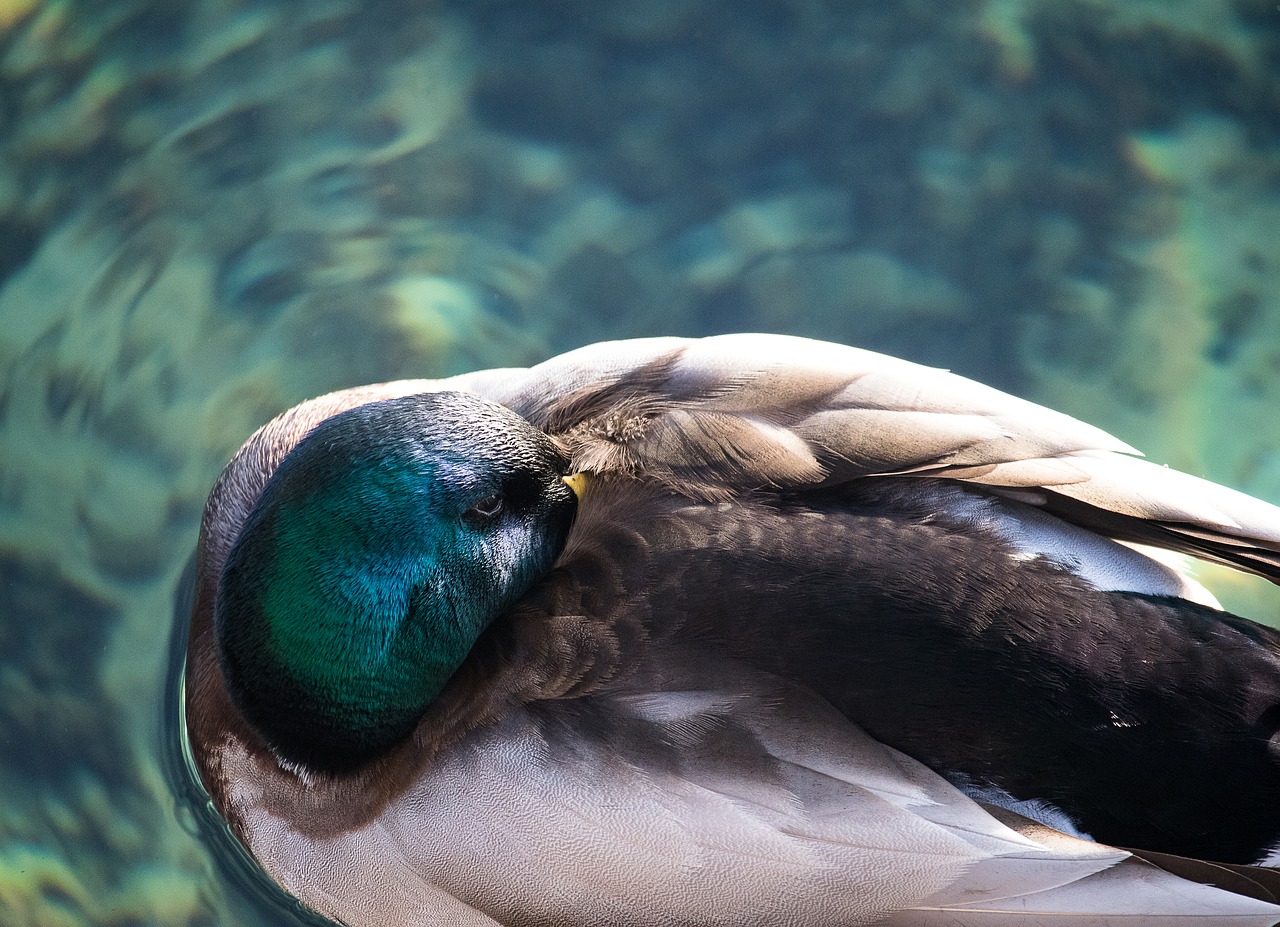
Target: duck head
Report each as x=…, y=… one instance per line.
x=383, y=545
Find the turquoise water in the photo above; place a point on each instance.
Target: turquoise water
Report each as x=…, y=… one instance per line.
x=212, y=210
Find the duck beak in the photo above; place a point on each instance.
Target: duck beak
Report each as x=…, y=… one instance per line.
x=577, y=482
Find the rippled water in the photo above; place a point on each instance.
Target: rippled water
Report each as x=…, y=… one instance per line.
x=211, y=210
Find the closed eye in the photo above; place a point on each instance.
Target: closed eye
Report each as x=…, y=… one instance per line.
x=487, y=508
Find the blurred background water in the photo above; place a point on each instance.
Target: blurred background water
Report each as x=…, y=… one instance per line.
x=210, y=210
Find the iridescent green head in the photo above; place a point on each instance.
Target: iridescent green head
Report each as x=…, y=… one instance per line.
x=381, y=548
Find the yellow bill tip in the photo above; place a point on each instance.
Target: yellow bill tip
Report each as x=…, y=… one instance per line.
x=577, y=482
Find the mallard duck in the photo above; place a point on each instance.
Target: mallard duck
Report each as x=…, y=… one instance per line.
x=748, y=629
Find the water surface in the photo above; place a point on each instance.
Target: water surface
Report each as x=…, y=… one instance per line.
x=211, y=210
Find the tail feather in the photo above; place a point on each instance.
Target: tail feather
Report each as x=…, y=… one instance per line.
x=1133, y=893
x=1145, y=889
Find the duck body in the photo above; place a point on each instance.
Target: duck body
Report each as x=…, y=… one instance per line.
x=832, y=639
x=1019, y=677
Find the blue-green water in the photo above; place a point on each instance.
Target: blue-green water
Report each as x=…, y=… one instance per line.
x=211, y=210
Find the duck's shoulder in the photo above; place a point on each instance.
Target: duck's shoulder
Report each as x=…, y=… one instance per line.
x=712, y=415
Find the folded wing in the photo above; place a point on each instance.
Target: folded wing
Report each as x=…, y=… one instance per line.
x=713, y=416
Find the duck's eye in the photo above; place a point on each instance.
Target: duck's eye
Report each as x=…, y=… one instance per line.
x=487, y=508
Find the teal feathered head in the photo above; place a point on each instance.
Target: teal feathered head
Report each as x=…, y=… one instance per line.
x=381, y=548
